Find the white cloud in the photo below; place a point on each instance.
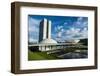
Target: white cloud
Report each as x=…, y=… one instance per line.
x=84, y=32
x=33, y=25
x=81, y=22
x=33, y=21
x=59, y=34
x=76, y=33
x=33, y=29
x=33, y=40
x=73, y=31
x=79, y=30
x=65, y=23
x=85, y=23
x=80, y=19
x=58, y=28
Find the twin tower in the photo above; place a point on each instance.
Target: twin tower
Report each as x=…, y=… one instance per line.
x=45, y=32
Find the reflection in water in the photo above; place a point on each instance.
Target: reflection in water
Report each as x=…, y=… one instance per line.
x=76, y=54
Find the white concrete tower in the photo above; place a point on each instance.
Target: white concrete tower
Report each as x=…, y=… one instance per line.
x=49, y=29
x=43, y=30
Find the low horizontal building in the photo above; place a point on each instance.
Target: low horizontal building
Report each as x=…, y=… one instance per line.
x=50, y=46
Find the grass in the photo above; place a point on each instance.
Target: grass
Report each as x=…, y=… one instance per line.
x=39, y=56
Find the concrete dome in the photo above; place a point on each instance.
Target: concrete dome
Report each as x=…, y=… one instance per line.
x=48, y=41
x=73, y=41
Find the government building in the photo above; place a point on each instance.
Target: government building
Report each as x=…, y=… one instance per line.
x=46, y=43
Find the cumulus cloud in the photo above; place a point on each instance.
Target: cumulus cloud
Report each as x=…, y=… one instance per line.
x=77, y=33
x=59, y=31
x=33, y=21
x=80, y=19
x=81, y=22
x=59, y=35
x=33, y=29
x=72, y=33
x=33, y=25
x=58, y=28
x=32, y=40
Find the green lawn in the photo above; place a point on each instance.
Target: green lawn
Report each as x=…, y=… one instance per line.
x=39, y=56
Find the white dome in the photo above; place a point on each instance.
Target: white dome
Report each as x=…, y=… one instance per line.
x=73, y=41
x=48, y=41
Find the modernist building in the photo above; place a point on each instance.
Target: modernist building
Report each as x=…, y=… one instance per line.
x=45, y=36
x=46, y=43
x=45, y=32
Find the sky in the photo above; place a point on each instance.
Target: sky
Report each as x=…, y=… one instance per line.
x=63, y=27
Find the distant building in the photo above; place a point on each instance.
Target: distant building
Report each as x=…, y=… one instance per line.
x=72, y=41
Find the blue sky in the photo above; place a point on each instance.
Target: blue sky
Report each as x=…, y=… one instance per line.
x=63, y=27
